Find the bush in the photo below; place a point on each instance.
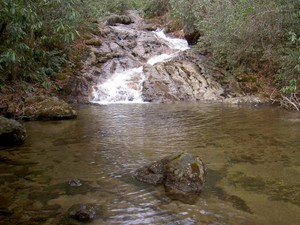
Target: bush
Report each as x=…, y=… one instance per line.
x=35, y=35
x=30, y=31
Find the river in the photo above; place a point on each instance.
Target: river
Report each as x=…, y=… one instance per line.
x=252, y=155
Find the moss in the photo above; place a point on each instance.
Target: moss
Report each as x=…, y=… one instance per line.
x=195, y=168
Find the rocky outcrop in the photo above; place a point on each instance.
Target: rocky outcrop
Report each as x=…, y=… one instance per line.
x=40, y=107
x=182, y=175
x=128, y=42
x=11, y=132
x=180, y=81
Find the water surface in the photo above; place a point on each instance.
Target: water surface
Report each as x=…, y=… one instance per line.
x=252, y=155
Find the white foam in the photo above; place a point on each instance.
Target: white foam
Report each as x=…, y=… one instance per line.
x=126, y=86
x=173, y=43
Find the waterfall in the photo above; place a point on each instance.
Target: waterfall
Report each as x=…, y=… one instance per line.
x=126, y=86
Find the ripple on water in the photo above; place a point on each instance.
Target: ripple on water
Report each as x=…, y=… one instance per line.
x=252, y=156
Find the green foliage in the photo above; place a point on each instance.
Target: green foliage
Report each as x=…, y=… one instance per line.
x=156, y=7
x=35, y=35
x=291, y=88
x=31, y=32
x=245, y=35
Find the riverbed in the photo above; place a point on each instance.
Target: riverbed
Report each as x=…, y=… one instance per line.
x=252, y=155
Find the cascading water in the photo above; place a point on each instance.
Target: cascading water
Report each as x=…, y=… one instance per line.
x=125, y=86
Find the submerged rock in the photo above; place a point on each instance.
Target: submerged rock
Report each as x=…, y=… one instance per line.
x=75, y=182
x=83, y=212
x=11, y=132
x=40, y=107
x=182, y=175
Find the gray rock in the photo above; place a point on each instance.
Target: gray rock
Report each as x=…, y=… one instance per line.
x=11, y=132
x=180, y=81
x=182, y=175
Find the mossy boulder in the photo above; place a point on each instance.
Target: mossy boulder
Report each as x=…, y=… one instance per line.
x=182, y=175
x=52, y=108
x=11, y=132
x=115, y=19
x=94, y=41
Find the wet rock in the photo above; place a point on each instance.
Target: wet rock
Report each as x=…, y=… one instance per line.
x=75, y=183
x=83, y=212
x=11, y=132
x=182, y=175
x=40, y=107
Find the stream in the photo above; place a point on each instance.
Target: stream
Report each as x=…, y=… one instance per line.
x=252, y=155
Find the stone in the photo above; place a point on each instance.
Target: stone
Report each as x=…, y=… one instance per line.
x=75, y=182
x=82, y=212
x=182, y=175
x=185, y=176
x=115, y=19
x=94, y=42
x=11, y=132
x=40, y=107
x=180, y=80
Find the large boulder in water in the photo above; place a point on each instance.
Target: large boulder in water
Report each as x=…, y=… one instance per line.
x=11, y=132
x=182, y=175
x=40, y=107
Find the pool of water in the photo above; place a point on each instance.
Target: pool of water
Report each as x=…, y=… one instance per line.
x=252, y=155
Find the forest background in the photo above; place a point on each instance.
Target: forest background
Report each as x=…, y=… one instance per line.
x=242, y=36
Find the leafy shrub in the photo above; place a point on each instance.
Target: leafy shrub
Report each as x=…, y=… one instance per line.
x=35, y=35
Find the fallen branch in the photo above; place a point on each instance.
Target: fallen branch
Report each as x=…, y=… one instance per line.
x=292, y=101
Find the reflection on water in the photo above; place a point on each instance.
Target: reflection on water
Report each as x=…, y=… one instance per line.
x=252, y=155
